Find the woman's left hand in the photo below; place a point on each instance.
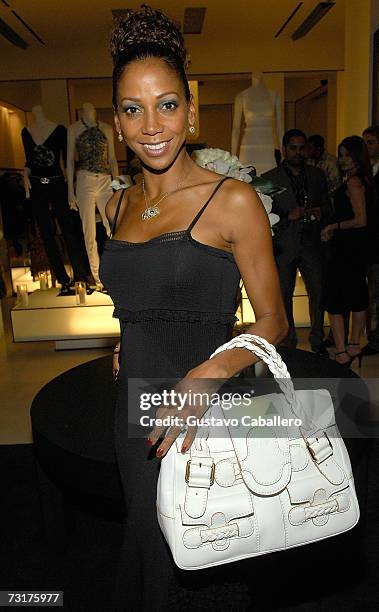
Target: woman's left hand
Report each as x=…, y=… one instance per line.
x=326, y=233
x=202, y=379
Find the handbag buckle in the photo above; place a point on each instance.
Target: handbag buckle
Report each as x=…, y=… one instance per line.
x=323, y=450
x=211, y=475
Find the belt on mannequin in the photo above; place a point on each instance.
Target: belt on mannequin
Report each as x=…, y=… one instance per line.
x=45, y=180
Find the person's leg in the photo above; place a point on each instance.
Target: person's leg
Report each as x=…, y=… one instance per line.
x=338, y=328
x=329, y=340
x=103, y=195
x=40, y=198
x=358, y=321
x=64, y=215
x=85, y=194
x=310, y=265
x=287, y=277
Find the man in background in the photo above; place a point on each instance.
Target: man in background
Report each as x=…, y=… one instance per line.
x=371, y=138
x=304, y=208
x=318, y=157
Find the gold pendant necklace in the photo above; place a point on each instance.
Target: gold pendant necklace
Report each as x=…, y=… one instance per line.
x=152, y=210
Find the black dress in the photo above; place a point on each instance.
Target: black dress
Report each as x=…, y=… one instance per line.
x=176, y=301
x=345, y=286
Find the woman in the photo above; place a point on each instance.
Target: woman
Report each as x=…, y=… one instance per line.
x=346, y=285
x=172, y=269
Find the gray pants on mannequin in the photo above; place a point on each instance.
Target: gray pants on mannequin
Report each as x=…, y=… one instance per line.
x=92, y=190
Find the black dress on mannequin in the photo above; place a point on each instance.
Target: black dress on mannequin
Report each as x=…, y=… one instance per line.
x=176, y=300
x=50, y=188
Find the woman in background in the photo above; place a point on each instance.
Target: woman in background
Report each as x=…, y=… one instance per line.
x=346, y=283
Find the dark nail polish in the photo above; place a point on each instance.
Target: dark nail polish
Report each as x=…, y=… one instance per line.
x=160, y=452
x=184, y=449
x=149, y=442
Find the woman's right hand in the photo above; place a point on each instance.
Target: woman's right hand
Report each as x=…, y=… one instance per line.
x=115, y=365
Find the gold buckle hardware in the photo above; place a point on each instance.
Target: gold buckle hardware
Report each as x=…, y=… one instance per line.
x=211, y=477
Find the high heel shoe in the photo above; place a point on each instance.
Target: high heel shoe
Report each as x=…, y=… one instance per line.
x=346, y=363
x=359, y=355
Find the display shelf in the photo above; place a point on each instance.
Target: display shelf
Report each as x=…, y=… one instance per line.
x=23, y=275
x=300, y=307
x=49, y=317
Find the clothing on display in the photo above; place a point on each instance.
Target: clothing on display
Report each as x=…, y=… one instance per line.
x=92, y=148
x=92, y=190
x=261, y=110
x=54, y=194
x=43, y=160
x=91, y=141
x=15, y=211
x=49, y=200
x=176, y=301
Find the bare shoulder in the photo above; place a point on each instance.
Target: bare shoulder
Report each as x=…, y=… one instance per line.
x=240, y=197
x=355, y=183
x=242, y=209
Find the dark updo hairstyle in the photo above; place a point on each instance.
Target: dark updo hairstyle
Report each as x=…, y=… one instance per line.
x=147, y=33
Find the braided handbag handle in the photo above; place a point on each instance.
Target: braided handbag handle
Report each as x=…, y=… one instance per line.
x=268, y=353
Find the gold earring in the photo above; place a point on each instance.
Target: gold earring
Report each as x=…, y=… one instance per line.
x=192, y=129
x=120, y=137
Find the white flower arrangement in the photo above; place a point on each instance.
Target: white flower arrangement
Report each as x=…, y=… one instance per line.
x=222, y=162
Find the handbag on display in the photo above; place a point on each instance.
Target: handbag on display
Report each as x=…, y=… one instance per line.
x=237, y=494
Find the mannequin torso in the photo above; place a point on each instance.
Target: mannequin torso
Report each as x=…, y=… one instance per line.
x=260, y=108
x=43, y=156
x=92, y=142
x=40, y=131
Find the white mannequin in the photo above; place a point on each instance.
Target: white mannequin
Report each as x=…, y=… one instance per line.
x=261, y=110
x=40, y=130
x=93, y=178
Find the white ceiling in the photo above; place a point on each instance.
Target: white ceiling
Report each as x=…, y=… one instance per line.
x=81, y=23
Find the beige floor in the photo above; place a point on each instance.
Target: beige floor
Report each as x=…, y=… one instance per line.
x=25, y=367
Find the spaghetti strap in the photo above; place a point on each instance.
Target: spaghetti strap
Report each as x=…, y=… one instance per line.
x=116, y=215
x=206, y=203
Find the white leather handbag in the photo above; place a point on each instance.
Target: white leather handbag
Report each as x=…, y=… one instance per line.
x=236, y=494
